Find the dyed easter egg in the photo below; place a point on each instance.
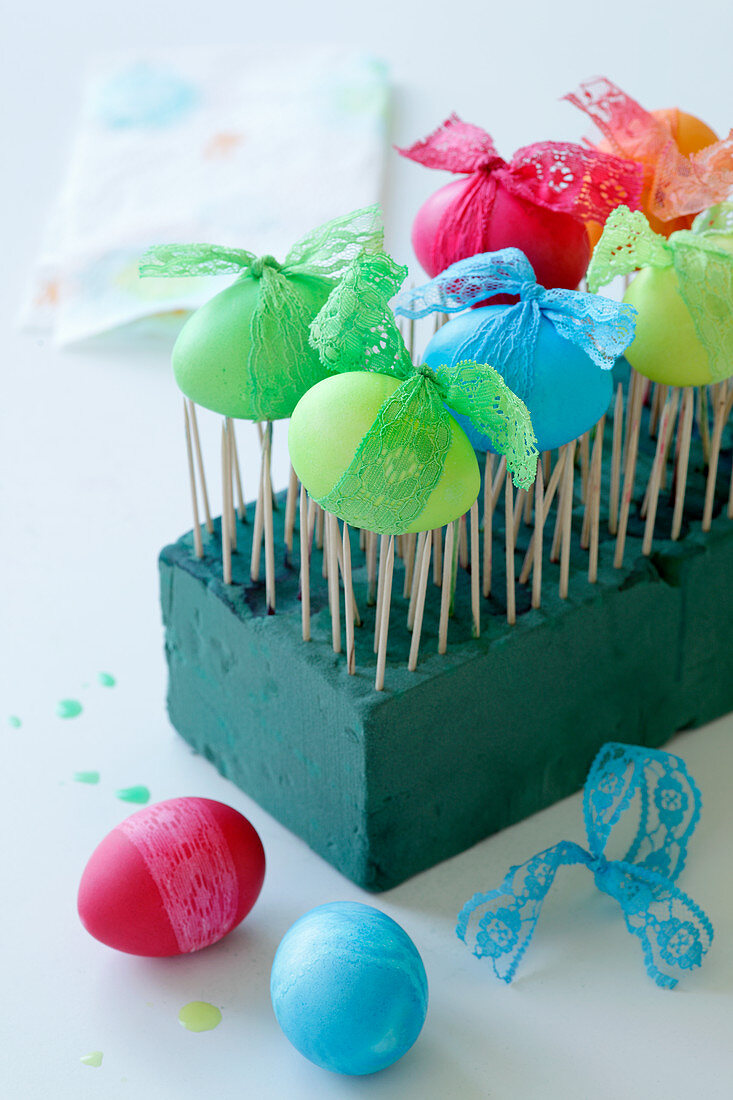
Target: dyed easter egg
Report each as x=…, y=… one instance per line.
x=211, y=355
x=555, y=243
x=666, y=347
x=569, y=394
x=330, y=422
x=348, y=988
x=690, y=135
x=172, y=878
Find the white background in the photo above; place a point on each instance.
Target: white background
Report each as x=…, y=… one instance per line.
x=93, y=486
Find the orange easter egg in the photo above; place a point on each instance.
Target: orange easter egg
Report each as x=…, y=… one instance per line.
x=690, y=135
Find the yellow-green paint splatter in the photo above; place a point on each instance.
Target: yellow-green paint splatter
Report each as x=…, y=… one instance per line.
x=86, y=777
x=93, y=1059
x=68, y=708
x=14, y=721
x=134, y=794
x=106, y=679
x=199, y=1016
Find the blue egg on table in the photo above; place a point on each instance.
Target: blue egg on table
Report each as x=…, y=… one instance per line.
x=348, y=988
x=570, y=392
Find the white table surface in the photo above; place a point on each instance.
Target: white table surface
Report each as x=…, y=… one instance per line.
x=93, y=485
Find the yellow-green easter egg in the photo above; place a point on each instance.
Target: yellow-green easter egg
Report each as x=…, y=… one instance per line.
x=328, y=426
x=211, y=357
x=666, y=347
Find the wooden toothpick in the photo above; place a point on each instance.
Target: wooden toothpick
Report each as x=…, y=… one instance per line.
x=547, y=499
x=723, y=408
x=655, y=481
x=419, y=588
x=348, y=604
x=511, y=608
x=566, y=507
x=380, y=590
x=198, y=546
x=633, y=414
x=684, y=434
x=595, y=500
x=334, y=596
x=618, y=418
x=269, y=525
x=226, y=474
x=305, y=580
x=291, y=501
x=241, y=506
x=422, y=538
x=488, y=522
x=200, y=466
x=475, y=564
x=445, y=595
x=539, y=522
x=386, y=603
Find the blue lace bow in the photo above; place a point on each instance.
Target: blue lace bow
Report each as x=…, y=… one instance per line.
x=506, y=336
x=674, y=931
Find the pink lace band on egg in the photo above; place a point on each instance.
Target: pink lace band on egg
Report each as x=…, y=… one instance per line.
x=559, y=176
x=675, y=184
x=188, y=857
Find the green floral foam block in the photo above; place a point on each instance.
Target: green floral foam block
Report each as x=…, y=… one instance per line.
x=386, y=784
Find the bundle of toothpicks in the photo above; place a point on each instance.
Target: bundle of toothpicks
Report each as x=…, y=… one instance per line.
x=627, y=477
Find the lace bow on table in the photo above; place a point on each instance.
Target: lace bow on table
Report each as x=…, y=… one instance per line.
x=674, y=932
x=326, y=252
x=601, y=328
x=703, y=265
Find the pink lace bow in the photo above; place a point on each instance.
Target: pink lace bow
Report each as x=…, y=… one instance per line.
x=559, y=176
x=674, y=184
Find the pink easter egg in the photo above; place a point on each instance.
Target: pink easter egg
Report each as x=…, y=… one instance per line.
x=555, y=243
x=172, y=878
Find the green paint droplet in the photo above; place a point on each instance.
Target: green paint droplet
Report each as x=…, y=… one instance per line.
x=93, y=1059
x=68, y=708
x=134, y=794
x=199, y=1016
x=14, y=721
x=106, y=679
x=86, y=777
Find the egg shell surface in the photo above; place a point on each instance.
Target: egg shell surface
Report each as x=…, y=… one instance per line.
x=172, y=878
x=556, y=244
x=570, y=392
x=349, y=988
x=666, y=347
x=210, y=356
x=331, y=420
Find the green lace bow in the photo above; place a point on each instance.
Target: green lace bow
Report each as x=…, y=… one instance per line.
x=704, y=269
x=279, y=323
x=402, y=456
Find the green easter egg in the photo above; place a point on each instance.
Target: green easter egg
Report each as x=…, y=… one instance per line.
x=329, y=424
x=666, y=347
x=211, y=354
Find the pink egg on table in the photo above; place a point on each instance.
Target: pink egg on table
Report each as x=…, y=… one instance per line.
x=172, y=878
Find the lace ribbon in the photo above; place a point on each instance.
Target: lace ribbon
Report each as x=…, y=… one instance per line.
x=674, y=184
x=279, y=351
x=674, y=932
x=402, y=456
x=601, y=328
x=559, y=176
x=703, y=266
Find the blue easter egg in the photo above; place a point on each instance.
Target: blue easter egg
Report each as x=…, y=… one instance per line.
x=349, y=988
x=570, y=392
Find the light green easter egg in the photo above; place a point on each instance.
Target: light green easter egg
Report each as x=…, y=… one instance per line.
x=211, y=357
x=666, y=347
x=329, y=424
